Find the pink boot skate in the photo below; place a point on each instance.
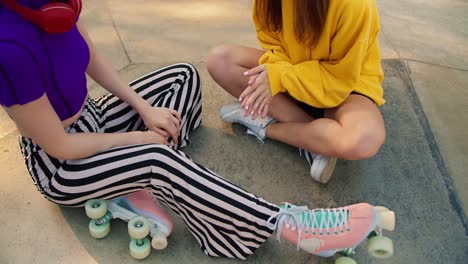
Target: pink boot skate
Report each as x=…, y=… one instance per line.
x=143, y=214
x=323, y=232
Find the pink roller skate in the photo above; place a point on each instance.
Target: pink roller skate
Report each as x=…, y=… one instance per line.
x=324, y=232
x=143, y=214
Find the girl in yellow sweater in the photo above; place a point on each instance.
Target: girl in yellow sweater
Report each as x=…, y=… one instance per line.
x=320, y=54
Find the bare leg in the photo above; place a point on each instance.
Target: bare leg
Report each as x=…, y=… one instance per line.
x=226, y=65
x=354, y=130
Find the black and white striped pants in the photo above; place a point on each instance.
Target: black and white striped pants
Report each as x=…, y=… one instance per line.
x=225, y=219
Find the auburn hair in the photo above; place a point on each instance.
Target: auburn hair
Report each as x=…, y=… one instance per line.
x=309, y=18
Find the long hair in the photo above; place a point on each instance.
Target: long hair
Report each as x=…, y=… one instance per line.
x=309, y=18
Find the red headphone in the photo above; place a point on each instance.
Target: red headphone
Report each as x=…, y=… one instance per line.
x=52, y=18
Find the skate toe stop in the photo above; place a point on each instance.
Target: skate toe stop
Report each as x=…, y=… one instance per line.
x=387, y=220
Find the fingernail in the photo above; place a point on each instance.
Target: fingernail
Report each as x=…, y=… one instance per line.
x=246, y=73
x=252, y=112
x=246, y=107
x=240, y=99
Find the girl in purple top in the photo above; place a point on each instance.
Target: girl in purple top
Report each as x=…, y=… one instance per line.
x=77, y=148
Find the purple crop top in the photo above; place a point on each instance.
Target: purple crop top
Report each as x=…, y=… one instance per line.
x=34, y=63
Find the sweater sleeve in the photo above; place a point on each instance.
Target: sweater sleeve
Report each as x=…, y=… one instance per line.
x=370, y=82
x=270, y=42
x=327, y=84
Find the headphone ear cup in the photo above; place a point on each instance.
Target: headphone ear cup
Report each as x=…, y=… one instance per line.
x=57, y=17
x=76, y=5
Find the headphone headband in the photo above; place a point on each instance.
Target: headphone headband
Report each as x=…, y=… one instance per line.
x=52, y=18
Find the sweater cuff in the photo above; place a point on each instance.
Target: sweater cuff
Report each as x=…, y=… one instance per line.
x=264, y=58
x=274, y=76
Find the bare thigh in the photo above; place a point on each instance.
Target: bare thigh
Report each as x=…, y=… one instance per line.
x=362, y=123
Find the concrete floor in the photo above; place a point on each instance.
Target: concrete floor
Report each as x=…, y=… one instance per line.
x=419, y=173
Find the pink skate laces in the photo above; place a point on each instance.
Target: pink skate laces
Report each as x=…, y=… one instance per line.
x=304, y=220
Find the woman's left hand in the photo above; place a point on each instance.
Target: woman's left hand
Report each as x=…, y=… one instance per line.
x=256, y=97
x=164, y=121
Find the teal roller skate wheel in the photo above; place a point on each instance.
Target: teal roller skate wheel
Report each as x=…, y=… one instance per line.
x=140, y=249
x=96, y=208
x=380, y=247
x=98, y=231
x=345, y=260
x=138, y=227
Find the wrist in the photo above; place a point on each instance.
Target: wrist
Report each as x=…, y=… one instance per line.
x=128, y=138
x=142, y=106
x=137, y=138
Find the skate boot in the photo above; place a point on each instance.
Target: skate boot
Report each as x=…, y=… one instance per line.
x=234, y=113
x=143, y=214
x=324, y=232
x=321, y=167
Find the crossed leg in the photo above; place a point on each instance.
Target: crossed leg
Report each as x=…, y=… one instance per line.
x=353, y=130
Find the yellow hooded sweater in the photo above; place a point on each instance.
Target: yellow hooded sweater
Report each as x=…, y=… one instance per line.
x=345, y=59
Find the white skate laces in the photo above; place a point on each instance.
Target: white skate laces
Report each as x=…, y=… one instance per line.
x=303, y=220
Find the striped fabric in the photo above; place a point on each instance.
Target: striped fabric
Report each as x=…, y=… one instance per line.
x=225, y=219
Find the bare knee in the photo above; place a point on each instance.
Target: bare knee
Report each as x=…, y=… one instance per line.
x=218, y=59
x=361, y=146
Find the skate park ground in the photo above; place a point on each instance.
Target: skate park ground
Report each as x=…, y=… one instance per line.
x=419, y=173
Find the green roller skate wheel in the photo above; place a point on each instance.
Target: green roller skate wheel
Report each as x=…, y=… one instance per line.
x=140, y=249
x=98, y=231
x=96, y=208
x=380, y=247
x=345, y=260
x=138, y=227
